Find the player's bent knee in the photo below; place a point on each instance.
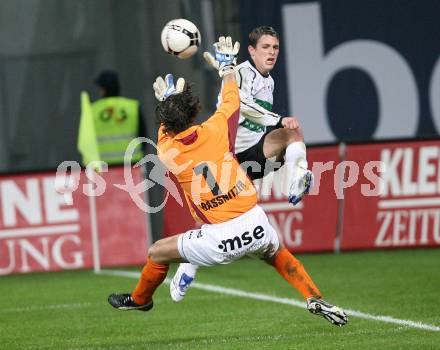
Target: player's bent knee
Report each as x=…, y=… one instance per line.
x=294, y=136
x=164, y=250
x=284, y=137
x=155, y=252
x=152, y=251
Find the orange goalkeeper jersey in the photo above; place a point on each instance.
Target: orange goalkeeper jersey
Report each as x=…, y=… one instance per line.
x=202, y=159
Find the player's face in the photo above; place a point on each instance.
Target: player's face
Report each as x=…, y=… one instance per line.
x=265, y=53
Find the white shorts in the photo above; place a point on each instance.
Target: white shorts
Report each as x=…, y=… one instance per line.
x=249, y=234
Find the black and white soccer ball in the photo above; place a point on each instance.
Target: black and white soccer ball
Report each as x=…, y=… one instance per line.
x=180, y=38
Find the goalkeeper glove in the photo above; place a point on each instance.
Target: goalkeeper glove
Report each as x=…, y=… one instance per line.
x=164, y=88
x=225, y=56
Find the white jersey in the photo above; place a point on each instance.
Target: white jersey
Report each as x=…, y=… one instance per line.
x=256, y=98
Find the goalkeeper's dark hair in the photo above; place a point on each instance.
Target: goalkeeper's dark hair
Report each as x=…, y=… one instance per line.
x=258, y=32
x=177, y=112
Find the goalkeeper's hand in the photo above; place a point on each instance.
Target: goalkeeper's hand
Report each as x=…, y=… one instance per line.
x=225, y=56
x=164, y=88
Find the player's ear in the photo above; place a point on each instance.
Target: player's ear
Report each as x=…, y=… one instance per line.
x=251, y=50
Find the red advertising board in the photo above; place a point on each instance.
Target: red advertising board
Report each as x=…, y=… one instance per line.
x=402, y=208
x=177, y=217
x=309, y=226
x=42, y=230
x=121, y=223
x=389, y=192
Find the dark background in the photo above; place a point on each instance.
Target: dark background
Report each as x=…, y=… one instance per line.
x=411, y=27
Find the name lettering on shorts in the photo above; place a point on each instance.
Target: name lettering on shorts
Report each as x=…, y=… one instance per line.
x=244, y=239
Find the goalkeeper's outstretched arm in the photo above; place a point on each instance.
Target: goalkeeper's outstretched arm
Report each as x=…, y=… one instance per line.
x=224, y=60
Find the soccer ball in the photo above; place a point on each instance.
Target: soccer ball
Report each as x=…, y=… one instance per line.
x=180, y=38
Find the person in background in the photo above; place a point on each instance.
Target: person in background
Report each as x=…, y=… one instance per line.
x=117, y=119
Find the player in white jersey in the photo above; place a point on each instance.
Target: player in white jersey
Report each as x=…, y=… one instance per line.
x=256, y=98
x=261, y=135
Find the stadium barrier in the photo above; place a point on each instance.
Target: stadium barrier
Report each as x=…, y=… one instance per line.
x=369, y=196
x=382, y=195
x=407, y=212
x=42, y=230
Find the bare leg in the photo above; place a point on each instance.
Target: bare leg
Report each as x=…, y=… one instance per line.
x=276, y=142
x=165, y=251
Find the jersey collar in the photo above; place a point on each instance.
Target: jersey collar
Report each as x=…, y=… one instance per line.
x=253, y=65
x=187, y=136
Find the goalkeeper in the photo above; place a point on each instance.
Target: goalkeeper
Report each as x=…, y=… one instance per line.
x=262, y=136
x=235, y=226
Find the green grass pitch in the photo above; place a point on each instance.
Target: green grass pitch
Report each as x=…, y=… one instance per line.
x=69, y=310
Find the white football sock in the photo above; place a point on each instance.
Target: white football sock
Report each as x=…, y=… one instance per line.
x=295, y=161
x=296, y=154
x=189, y=269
